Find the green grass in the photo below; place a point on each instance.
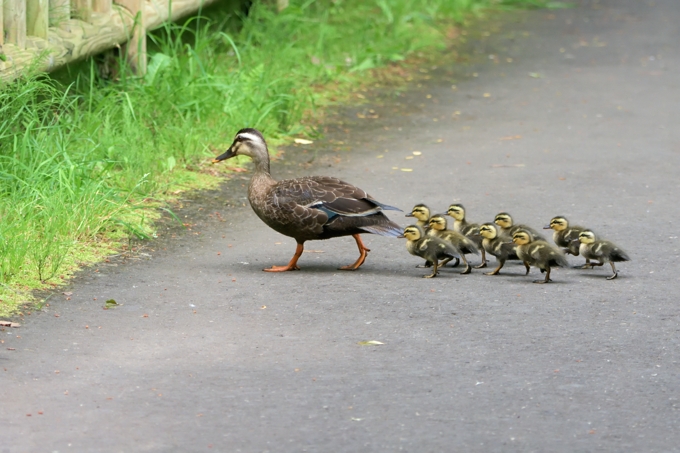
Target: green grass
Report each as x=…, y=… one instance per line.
x=86, y=162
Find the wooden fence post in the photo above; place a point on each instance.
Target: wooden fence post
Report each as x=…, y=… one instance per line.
x=15, y=22
x=135, y=48
x=37, y=18
x=60, y=12
x=82, y=10
x=101, y=6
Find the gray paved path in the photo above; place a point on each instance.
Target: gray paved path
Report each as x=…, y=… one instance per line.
x=208, y=353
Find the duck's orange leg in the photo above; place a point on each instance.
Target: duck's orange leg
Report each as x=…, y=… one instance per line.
x=292, y=265
x=362, y=249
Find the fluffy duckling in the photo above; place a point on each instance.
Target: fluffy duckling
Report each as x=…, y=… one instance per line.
x=469, y=230
x=461, y=243
x=508, y=228
x=565, y=235
x=604, y=251
x=430, y=248
x=422, y=214
x=537, y=253
x=497, y=246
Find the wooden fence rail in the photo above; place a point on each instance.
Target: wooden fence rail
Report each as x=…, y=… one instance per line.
x=51, y=33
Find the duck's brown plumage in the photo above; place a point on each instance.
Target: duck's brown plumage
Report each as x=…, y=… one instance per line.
x=311, y=207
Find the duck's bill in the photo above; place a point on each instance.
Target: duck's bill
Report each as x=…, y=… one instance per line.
x=409, y=215
x=547, y=227
x=224, y=156
x=401, y=236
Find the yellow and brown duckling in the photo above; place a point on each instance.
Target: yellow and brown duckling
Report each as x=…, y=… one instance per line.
x=461, y=243
x=311, y=207
x=509, y=228
x=604, y=251
x=431, y=248
x=469, y=230
x=565, y=235
x=497, y=246
x=422, y=214
x=538, y=253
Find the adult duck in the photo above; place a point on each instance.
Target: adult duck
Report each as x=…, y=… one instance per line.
x=311, y=207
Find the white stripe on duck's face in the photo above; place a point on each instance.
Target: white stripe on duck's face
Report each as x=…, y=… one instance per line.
x=251, y=137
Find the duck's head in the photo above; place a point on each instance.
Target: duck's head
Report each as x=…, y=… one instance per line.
x=488, y=231
x=558, y=223
x=522, y=237
x=586, y=237
x=503, y=220
x=457, y=211
x=413, y=232
x=437, y=222
x=248, y=142
x=420, y=212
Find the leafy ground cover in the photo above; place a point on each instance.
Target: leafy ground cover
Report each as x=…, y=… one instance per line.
x=89, y=157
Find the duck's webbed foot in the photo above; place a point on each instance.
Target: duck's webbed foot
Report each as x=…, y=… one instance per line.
x=616, y=273
x=456, y=262
x=291, y=266
x=547, y=276
x=363, y=250
x=481, y=266
x=468, y=268
x=427, y=264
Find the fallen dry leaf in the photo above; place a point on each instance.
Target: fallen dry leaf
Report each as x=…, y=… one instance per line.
x=370, y=343
x=406, y=169
x=303, y=141
x=417, y=153
x=511, y=137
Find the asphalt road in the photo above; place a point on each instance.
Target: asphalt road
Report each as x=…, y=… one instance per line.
x=208, y=353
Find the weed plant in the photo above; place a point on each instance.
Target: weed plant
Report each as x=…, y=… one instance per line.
x=83, y=157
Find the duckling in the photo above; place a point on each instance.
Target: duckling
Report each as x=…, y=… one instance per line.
x=422, y=213
x=565, y=235
x=508, y=229
x=461, y=243
x=469, y=230
x=311, y=207
x=538, y=253
x=431, y=248
x=604, y=251
x=497, y=246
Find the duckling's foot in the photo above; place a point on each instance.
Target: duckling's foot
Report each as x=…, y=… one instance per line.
x=292, y=265
x=431, y=275
x=467, y=270
x=542, y=281
x=481, y=266
x=456, y=263
x=585, y=266
x=612, y=277
x=424, y=266
x=363, y=250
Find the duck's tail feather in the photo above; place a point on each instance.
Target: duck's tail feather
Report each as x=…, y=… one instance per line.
x=388, y=229
x=384, y=206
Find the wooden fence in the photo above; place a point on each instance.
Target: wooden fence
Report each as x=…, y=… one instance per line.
x=51, y=33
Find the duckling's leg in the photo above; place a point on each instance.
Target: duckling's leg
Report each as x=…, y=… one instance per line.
x=498, y=269
x=362, y=250
x=435, y=265
x=483, y=265
x=468, y=268
x=456, y=263
x=616, y=273
x=547, y=276
x=292, y=265
x=528, y=267
x=427, y=264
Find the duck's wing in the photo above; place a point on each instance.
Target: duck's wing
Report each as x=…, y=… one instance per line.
x=335, y=205
x=328, y=194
